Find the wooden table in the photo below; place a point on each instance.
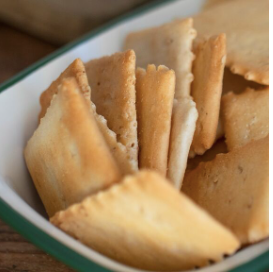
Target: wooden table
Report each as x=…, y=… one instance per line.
x=17, y=254
x=17, y=51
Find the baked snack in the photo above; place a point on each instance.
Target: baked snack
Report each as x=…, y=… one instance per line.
x=246, y=24
x=145, y=223
x=234, y=189
x=167, y=218
x=206, y=90
x=67, y=156
x=112, y=81
x=155, y=93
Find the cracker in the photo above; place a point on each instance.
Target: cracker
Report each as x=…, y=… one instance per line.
x=183, y=127
x=155, y=93
x=233, y=188
x=145, y=223
x=246, y=24
x=246, y=116
x=169, y=44
x=67, y=156
x=218, y=148
x=76, y=70
x=112, y=80
x=208, y=69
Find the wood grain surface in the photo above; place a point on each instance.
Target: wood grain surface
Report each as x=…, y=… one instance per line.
x=17, y=254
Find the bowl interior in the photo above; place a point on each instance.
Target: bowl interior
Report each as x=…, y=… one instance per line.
x=19, y=108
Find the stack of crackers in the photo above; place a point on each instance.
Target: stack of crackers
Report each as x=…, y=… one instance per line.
x=164, y=166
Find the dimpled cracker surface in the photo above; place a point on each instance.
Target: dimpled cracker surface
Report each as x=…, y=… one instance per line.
x=234, y=189
x=145, y=223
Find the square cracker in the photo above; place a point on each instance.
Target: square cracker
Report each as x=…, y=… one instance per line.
x=234, y=189
x=208, y=70
x=67, y=156
x=246, y=24
x=170, y=45
x=155, y=94
x=246, y=116
x=76, y=70
x=183, y=126
x=112, y=80
x=145, y=223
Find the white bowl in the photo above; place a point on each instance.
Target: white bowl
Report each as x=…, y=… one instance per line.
x=20, y=205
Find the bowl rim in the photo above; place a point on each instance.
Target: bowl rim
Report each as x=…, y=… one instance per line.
x=37, y=236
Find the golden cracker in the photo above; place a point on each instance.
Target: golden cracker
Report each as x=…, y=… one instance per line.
x=234, y=189
x=246, y=24
x=169, y=44
x=67, y=156
x=208, y=69
x=145, y=223
x=246, y=116
x=155, y=93
x=76, y=70
x=112, y=80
